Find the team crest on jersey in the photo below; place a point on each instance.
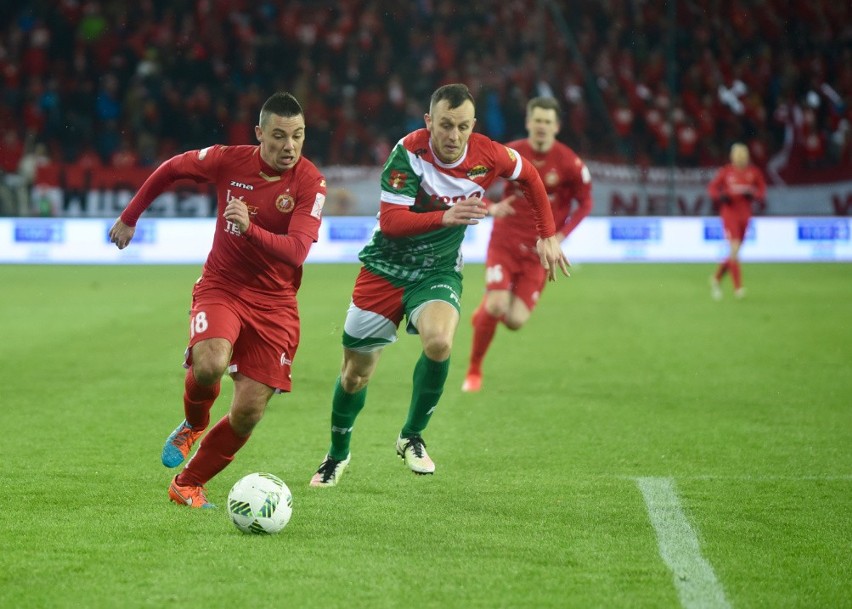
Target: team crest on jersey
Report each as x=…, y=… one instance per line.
x=477, y=171
x=397, y=179
x=512, y=155
x=552, y=178
x=285, y=203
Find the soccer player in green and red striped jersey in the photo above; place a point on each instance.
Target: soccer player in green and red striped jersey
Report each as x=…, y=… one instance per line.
x=433, y=186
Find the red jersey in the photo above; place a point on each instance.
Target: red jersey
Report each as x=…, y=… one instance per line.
x=566, y=179
x=257, y=264
x=737, y=188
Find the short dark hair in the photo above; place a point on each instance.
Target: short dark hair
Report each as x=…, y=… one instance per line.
x=455, y=94
x=545, y=103
x=281, y=104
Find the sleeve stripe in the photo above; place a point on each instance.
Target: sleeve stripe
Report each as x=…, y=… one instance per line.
x=518, y=165
x=392, y=197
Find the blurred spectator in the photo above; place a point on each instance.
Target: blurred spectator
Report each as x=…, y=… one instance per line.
x=122, y=78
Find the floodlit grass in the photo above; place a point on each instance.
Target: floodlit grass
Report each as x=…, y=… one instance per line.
x=624, y=371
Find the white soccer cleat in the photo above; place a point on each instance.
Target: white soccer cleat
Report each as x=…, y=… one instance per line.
x=715, y=289
x=330, y=471
x=739, y=293
x=413, y=452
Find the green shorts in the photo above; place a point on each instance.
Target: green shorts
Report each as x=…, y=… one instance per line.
x=379, y=306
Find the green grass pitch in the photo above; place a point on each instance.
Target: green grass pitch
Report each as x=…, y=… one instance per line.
x=624, y=372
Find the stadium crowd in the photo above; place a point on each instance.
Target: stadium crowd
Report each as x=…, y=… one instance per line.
x=131, y=83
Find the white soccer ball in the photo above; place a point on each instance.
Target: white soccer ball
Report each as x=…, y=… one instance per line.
x=260, y=503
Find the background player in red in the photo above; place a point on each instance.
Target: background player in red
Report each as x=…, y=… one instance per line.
x=735, y=188
x=514, y=277
x=244, y=317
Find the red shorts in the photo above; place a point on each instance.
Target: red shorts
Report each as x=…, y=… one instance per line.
x=735, y=222
x=518, y=272
x=264, y=335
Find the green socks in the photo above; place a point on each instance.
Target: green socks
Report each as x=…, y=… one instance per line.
x=344, y=409
x=429, y=379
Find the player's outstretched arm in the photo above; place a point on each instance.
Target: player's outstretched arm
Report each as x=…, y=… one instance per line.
x=552, y=257
x=121, y=234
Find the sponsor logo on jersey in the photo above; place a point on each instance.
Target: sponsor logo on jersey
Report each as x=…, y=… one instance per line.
x=252, y=209
x=426, y=202
x=477, y=171
x=242, y=185
x=398, y=179
x=285, y=203
x=286, y=361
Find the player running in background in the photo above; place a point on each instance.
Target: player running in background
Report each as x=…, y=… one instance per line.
x=735, y=188
x=514, y=279
x=432, y=189
x=244, y=317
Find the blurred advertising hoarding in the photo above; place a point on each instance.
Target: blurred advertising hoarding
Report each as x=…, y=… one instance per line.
x=620, y=239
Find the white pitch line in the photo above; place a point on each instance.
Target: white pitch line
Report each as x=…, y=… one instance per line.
x=693, y=576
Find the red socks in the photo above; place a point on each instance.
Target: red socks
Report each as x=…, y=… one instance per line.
x=736, y=274
x=723, y=268
x=217, y=450
x=197, y=401
x=484, y=327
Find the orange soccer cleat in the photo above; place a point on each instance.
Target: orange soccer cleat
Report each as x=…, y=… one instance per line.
x=192, y=496
x=472, y=383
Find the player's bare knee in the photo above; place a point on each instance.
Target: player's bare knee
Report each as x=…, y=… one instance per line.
x=353, y=383
x=437, y=348
x=353, y=379
x=496, y=309
x=513, y=323
x=245, y=420
x=208, y=371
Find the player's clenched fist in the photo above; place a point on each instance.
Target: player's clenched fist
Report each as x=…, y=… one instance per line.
x=121, y=234
x=466, y=212
x=236, y=211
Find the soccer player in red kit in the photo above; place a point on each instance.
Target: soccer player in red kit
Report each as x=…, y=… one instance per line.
x=513, y=275
x=735, y=188
x=244, y=317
